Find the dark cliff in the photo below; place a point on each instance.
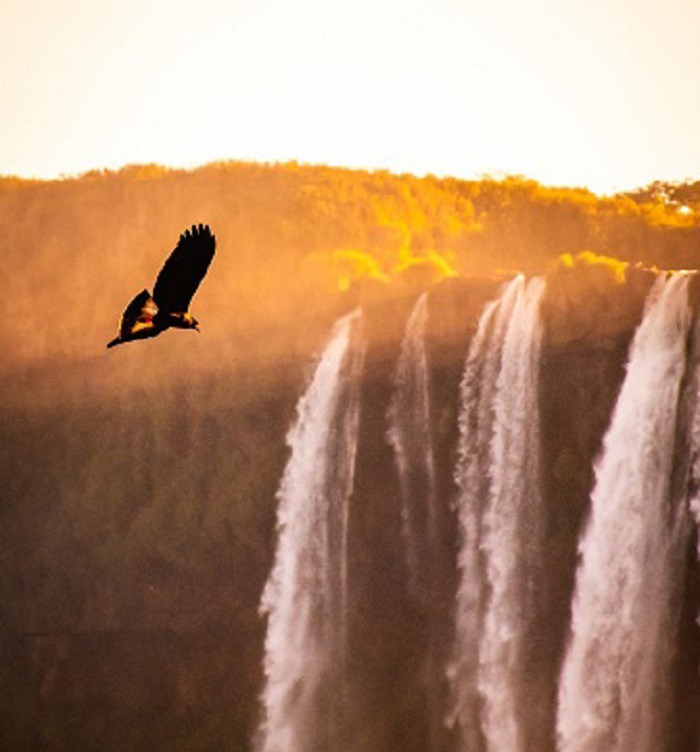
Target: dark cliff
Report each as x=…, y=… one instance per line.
x=138, y=526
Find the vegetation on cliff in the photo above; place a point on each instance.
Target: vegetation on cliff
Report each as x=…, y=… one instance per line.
x=292, y=236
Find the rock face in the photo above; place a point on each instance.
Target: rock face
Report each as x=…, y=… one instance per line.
x=139, y=529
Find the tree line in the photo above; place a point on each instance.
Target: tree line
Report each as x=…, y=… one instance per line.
x=290, y=232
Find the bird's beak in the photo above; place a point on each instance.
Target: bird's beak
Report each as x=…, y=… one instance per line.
x=196, y=328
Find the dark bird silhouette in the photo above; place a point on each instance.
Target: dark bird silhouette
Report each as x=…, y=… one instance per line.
x=147, y=316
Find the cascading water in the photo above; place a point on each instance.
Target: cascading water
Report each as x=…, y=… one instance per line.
x=305, y=596
x=476, y=431
x=694, y=502
x=409, y=435
x=500, y=515
x=615, y=680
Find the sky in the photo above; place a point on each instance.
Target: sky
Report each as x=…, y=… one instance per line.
x=603, y=94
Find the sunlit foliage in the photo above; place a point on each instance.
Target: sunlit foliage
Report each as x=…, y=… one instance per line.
x=587, y=297
x=603, y=268
x=349, y=266
x=289, y=232
x=425, y=270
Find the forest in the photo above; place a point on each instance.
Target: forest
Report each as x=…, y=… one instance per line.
x=293, y=236
x=139, y=484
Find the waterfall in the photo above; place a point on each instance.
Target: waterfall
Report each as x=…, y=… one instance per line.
x=615, y=680
x=476, y=431
x=694, y=502
x=409, y=435
x=305, y=596
x=500, y=517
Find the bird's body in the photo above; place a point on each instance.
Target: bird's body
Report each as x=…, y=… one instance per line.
x=147, y=316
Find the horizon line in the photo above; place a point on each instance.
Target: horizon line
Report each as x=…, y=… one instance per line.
x=477, y=176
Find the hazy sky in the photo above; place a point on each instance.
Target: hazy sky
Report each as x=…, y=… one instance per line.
x=603, y=93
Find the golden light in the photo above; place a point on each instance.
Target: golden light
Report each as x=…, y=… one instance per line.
x=594, y=95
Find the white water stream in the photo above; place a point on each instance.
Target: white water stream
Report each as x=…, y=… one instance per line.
x=615, y=681
x=409, y=435
x=305, y=596
x=500, y=514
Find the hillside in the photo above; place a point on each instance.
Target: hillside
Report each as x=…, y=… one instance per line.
x=290, y=237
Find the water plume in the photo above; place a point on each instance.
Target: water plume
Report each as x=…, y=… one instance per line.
x=614, y=686
x=305, y=598
x=500, y=517
x=409, y=435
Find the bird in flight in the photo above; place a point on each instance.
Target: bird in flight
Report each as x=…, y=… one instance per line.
x=147, y=316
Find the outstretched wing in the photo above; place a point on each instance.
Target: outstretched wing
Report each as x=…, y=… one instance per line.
x=138, y=315
x=184, y=270
x=137, y=320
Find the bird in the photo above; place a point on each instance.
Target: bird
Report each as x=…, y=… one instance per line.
x=148, y=315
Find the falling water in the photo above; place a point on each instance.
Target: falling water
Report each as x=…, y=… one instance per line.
x=476, y=432
x=694, y=502
x=500, y=515
x=511, y=534
x=305, y=596
x=409, y=434
x=615, y=681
